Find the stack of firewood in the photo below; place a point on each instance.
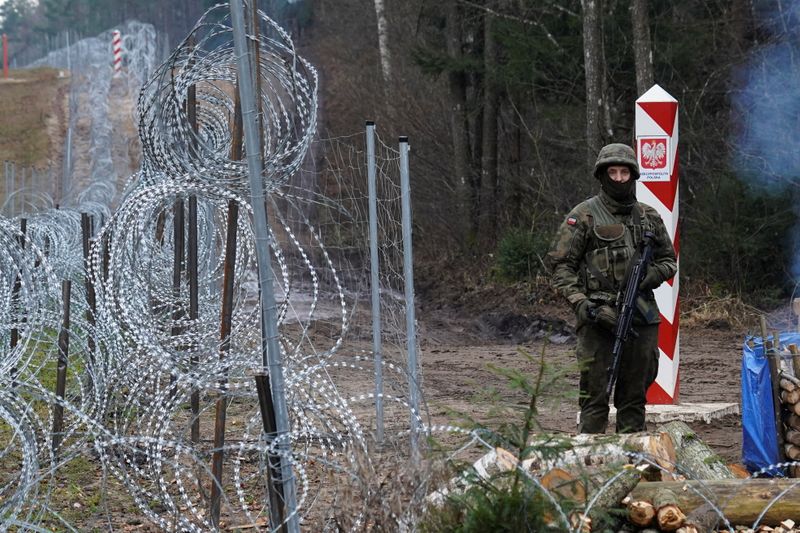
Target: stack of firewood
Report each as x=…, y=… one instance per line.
x=656, y=495
x=784, y=369
x=652, y=507
x=788, y=397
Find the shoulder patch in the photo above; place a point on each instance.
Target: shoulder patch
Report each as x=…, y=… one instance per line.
x=572, y=221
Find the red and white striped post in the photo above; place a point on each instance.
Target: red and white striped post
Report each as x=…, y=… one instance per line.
x=116, y=46
x=657, y=153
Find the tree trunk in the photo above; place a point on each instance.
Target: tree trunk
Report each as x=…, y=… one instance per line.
x=739, y=500
x=693, y=457
x=476, y=196
x=642, y=49
x=383, y=43
x=457, y=86
x=587, y=450
x=592, y=69
x=490, y=114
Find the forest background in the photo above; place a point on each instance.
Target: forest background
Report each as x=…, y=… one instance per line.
x=506, y=103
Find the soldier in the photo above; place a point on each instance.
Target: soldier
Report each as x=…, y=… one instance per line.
x=589, y=261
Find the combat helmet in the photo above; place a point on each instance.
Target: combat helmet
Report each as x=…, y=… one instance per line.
x=616, y=154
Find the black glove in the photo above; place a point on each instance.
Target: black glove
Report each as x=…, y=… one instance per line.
x=584, y=312
x=606, y=316
x=651, y=280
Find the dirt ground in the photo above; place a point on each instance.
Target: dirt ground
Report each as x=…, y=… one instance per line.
x=465, y=339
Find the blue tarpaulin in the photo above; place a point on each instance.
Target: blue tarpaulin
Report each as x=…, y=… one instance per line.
x=759, y=440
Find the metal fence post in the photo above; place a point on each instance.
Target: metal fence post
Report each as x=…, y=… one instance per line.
x=375, y=288
x=408, y=275
x=272, y=358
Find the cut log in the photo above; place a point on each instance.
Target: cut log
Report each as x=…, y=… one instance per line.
x=793, y=437
x=596, y=450
x=786, y=384
x=790, y=397
x=739, y=500
x=793, y=421
x=580, y=523
x=493, y=463
x=739, y=471
x=693, y=457
x=794, y=408
x=792, y=452
x=641, y=513
x=704, y=518
x=668, y=514
x=790, y=378
x=688, y=529
x=546, y=453
x=610, y=494
x=561, y=482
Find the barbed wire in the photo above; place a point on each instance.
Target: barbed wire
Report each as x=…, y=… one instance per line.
x=147, y=377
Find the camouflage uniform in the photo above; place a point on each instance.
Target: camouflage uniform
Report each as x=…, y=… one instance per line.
x=589, y=261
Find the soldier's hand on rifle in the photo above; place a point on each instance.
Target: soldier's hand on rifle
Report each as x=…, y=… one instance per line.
x=606, y=316
x=651, y=280
x=585, y=312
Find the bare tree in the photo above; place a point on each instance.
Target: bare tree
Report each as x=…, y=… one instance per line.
x=457, y=85
x=642, y=49
x=489, y=174
x=383, y=42
x=592, y=67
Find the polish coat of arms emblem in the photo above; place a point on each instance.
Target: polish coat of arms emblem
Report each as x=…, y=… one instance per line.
x=653, y=153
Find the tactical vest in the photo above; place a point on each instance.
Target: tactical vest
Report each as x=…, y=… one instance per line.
x=610, y=248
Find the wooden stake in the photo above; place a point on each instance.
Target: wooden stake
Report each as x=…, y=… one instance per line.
x=87, y=234
x=795, y=359
x=61, y=369
x=226, y=314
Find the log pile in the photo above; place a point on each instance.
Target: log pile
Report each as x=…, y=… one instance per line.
x=700, y=495
x=789, y=400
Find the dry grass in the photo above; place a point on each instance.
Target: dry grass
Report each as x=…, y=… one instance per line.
x=703, y=307
x=29, y=103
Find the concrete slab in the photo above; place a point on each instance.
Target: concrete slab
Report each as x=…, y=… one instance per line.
x=686, y=412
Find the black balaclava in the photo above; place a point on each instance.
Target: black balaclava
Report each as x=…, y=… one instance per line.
x=621, y=192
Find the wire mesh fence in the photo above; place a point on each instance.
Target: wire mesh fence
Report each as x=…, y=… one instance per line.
x=157, y=363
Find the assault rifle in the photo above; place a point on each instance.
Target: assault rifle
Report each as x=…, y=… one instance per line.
x=626, y=303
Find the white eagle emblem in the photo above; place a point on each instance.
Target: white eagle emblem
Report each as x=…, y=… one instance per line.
x=654, y=154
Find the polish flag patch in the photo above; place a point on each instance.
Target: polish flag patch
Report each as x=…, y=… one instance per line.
x=572, y=221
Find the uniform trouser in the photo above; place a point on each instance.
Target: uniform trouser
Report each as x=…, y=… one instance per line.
x=637, y=370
